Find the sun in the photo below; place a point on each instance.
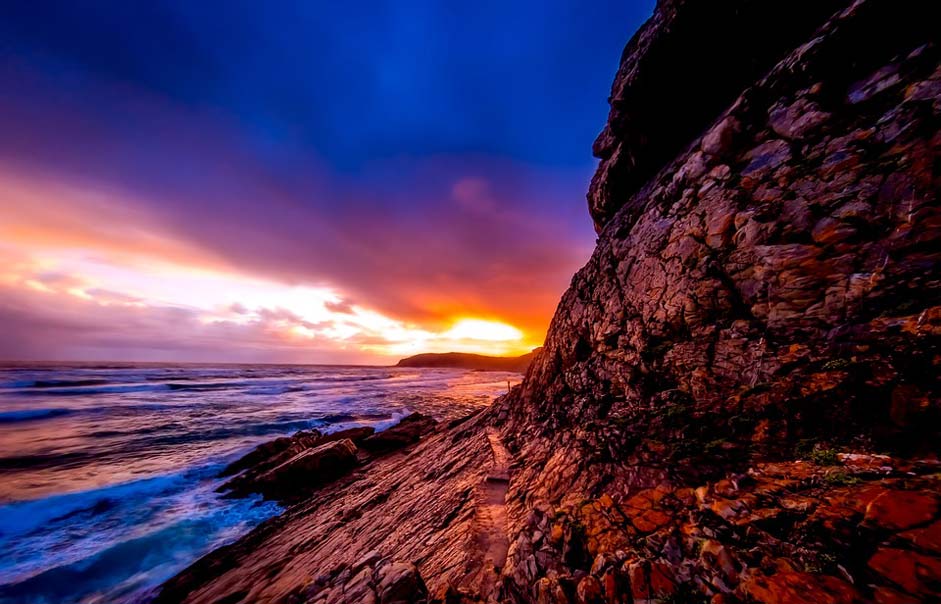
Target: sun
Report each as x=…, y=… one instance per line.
x=479, y=329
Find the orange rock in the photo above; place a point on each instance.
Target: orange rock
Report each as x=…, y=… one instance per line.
x=791, y=587
x=715, y=555
x=650, y=521
x=915, y=573
x=616, y=588
x=589, y=591
x=858, y=498
x=822, y=381
x=651, y=580
x=898, y=510
x=727, y=508
x=886, y=595
x=556, y=534
x=662, y=581
x=927, y=538
x=685, y=496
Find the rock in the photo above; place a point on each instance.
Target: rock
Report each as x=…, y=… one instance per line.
x=400, y=583
x=765, y=158
x=357, y=435
x=915, y=573
x=927, y=538
x=883, y=79
x=680, y=71
x=406, y=432
x=789, y=587
x=887, y=595
x=271, y=453
x=898, y=510
x=303, y=473
x=720, y=139
x=798, y=119
x=590, y=591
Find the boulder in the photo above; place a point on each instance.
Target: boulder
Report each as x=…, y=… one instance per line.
x=269, y=454
x=301, y=474
x=357, y=435
x=406, y=432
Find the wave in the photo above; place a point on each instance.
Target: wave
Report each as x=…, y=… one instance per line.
x=117, y=389
x=26, y=415
x=20, y=384
x=66, y=548
x=351, y=378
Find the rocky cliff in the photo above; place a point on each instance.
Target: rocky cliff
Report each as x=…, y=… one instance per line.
x=738, y=399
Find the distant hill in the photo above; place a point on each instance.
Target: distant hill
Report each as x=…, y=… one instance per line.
x=463, y=360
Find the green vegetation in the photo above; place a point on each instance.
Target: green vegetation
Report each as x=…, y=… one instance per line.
x=840, y=478
x=837, y=364
x=824, y=457
x=822, y=564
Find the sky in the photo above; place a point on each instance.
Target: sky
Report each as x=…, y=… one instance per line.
x=295, y=181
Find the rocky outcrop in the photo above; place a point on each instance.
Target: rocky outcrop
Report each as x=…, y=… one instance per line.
x=738, y=399
x=421, y=507
x=782, y=270
x=299, y=475
x=684, y=67
x=289, y=469
x=773, y=288
x=404, y=433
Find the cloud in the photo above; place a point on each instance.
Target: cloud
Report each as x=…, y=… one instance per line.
x=343, y=306
x=156, y=203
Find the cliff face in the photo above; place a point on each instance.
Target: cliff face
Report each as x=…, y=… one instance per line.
x=770, y=289
x=782, y=269
x=738, y=399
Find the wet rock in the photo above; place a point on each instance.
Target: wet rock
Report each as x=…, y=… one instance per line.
x=357, y=435
x=301, y=474
x=406, y=432
x=271, y=453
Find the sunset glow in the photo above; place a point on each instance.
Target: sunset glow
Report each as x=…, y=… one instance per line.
x=60, y=265
x=260, y=195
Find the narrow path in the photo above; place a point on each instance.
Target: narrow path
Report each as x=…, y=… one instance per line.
x=491, y=514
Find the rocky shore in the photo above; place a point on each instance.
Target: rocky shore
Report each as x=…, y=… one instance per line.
x=738, y=398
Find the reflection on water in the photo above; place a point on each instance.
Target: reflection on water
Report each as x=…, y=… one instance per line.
x=107, y=473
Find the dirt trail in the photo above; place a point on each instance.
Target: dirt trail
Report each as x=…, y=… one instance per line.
x=491, y=514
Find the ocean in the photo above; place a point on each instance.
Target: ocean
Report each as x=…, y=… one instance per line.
x=108, y=471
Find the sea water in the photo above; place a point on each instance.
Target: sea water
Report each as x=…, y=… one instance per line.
x=108, y=472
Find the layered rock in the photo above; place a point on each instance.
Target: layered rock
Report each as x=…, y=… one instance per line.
x=681, y=69
x=738, y=399
x=289, y=469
